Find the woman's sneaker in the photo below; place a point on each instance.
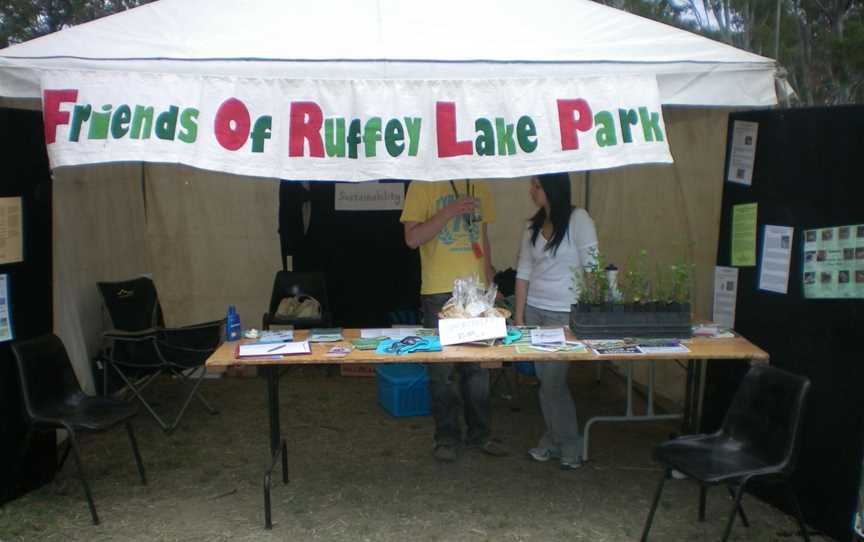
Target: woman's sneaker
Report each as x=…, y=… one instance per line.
x=543, y=454
x=571, y=464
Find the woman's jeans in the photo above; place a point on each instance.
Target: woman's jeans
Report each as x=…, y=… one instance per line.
x=473, y=389
x=559, y=412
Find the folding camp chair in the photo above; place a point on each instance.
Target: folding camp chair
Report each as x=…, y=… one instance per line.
x=140, y=348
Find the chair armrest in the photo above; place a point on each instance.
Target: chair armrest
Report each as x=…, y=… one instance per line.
x=120, y=335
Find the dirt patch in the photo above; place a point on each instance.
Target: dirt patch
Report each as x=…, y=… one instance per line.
x=359, y=474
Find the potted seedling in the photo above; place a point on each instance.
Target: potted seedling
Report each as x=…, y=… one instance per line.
x=633, y=309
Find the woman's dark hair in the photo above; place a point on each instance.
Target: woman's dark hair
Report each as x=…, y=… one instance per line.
x=556, y=186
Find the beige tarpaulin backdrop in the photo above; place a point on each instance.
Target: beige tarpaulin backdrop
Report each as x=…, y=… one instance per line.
x=209, y=240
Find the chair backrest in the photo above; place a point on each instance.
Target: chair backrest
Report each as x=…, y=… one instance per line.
x=45, y=373
x=132, y=304
x=766, y=412
x=291, y=283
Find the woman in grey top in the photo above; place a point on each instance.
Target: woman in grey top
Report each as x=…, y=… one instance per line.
x=557, y=239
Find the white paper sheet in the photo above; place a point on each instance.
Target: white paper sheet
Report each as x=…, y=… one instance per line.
x=547, y=336
x=776, y=255
x=279, y=349
x=743, y=154
x=5, y=314
x=395, y=333
x=10, y=231
x=725, y=296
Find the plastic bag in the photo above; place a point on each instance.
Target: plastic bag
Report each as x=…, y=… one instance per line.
x=471, y=300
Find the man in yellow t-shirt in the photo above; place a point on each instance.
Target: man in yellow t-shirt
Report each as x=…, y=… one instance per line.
x=447, y=222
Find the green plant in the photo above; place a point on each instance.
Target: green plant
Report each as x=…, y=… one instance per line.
x=591, y=282
x=674, y=283
x=633, y=283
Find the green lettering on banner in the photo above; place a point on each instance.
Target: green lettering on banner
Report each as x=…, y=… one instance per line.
x=80, y=115
x=261, y=132
x=372, y=135
x=506, y=144
x=394, y=134
x=189, y=123
x=413, y=125
x=526, y=134
x=484, y=144
x=627, y=118
x=353, y=138
x=334, y=137
x=142, y=122
x=120, y=121
x=166, y=123
x=650, y=125
x=99, y=123
x=605, y=133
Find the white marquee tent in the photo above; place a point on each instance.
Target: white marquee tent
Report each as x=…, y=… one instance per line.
x=387, y=59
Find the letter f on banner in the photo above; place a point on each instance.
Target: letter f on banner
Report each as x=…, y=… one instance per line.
x=569, y=125
x=51, y=113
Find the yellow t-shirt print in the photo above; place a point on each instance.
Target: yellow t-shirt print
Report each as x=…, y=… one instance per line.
x=458, y=234
x=449, y=255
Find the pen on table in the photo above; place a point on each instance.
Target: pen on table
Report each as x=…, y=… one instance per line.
x=275, y=348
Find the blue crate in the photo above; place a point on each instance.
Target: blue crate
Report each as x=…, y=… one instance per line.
x=403, y=389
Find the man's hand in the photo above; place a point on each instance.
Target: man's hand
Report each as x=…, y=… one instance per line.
x=461, y=206
x=418, y=233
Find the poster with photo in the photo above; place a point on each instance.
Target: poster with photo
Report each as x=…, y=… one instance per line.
x=833, y=262
x=5, y=312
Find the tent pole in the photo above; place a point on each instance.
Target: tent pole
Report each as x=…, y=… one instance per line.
x=586, y=192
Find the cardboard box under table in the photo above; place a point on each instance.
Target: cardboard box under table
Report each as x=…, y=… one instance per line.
x=701, y=350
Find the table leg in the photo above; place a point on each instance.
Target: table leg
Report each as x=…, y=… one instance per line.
x=694, y=396
x=277, y=443
x=629, y=416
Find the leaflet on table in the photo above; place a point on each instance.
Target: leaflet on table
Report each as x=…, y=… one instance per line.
x=325, y=335
x=661, y=346
x=637, y=347
x=547, y=336
x=396, y=333
x=276, y=336
x=569, y=346
x=272, y=349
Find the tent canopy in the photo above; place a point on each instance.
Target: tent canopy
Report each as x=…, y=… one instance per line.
x=347, y=90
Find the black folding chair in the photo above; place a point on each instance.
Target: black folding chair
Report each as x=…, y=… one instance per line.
x=298, y=284
x=140, y=348
x=53, y=399
x=759, y=439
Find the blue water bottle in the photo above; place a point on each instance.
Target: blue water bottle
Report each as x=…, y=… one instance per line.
x=233, y=329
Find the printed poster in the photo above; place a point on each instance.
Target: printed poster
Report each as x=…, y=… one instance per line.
x=744, y=234
x=776, y=255
x=10, y=231
x=743, y=154
x=725, y=296
x=5, y=313
x=834, y=262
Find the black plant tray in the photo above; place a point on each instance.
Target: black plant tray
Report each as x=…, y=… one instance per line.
x=617, y=321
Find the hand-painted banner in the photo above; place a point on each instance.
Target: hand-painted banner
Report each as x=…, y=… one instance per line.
x=354, y=130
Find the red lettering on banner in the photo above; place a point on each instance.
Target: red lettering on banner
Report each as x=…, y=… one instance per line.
x=305, y=125
x=232, y=137
x=51, y=114
x=570, y=125
x=445, y=124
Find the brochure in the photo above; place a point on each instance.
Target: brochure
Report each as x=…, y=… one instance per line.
x=278, y=349
x=278, y=336
x=325, y=335
x=661, y=346
x=547, y=336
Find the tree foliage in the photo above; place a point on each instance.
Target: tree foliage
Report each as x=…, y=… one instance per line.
x=22, y=20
